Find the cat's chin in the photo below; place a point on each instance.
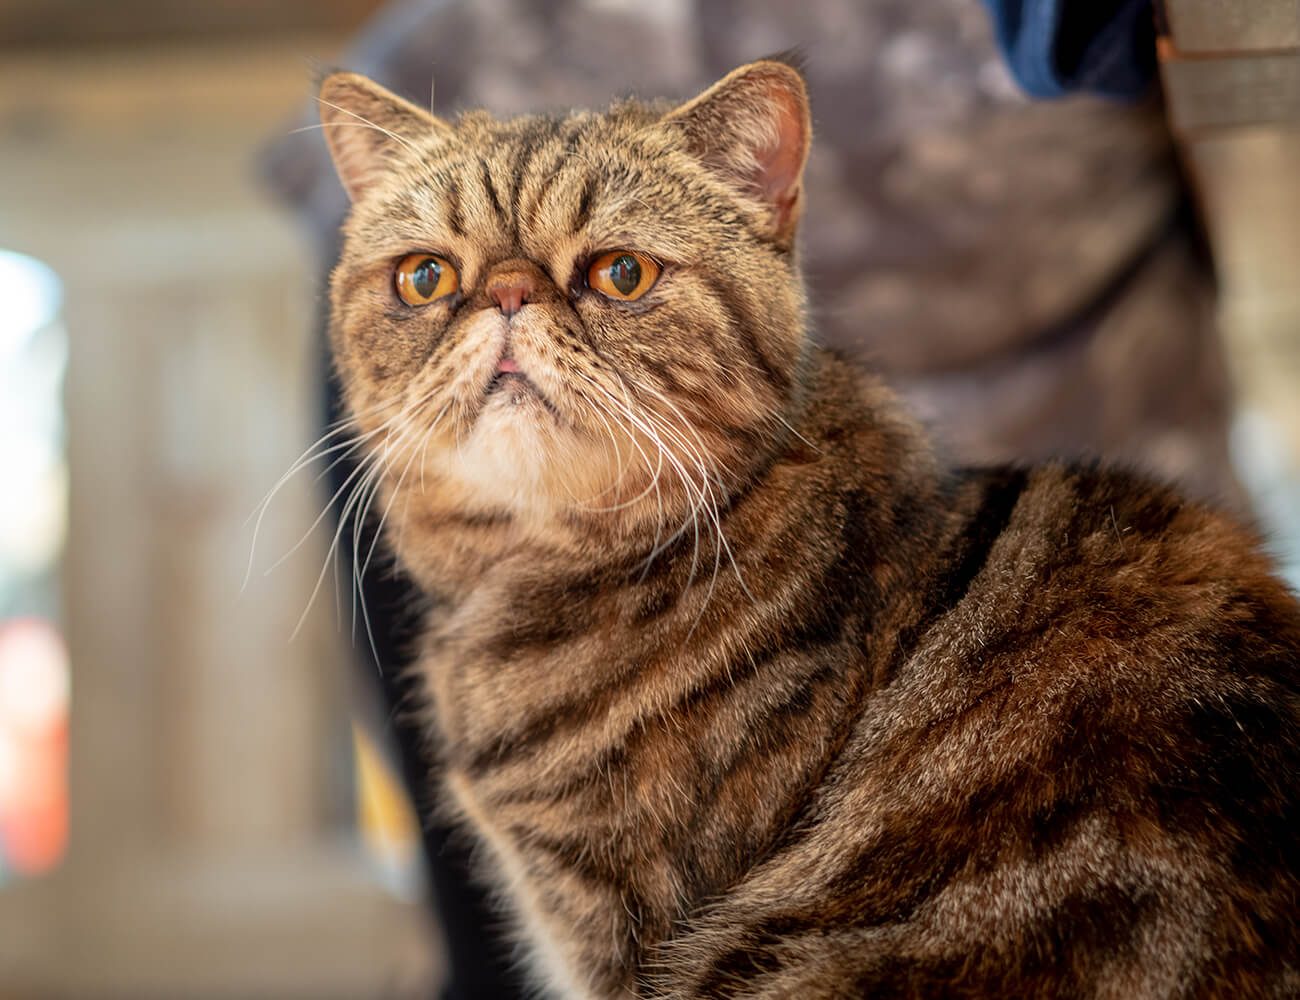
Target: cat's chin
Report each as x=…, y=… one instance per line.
x=519, y=458
x=507, y=450
x=516, y=454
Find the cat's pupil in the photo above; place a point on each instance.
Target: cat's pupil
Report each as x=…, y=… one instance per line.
x=625, y=273
x=425, y=277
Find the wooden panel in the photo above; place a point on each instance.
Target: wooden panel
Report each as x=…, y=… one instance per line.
x=189, y=305
x=1247, y=179
x=1251, y=202
x=1233, y=25
x=205, y=856
x=1232, y=78
x=1229, y=91
x=308, y=920
x=76, y=22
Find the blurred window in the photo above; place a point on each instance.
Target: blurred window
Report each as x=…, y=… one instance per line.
x=34, y=678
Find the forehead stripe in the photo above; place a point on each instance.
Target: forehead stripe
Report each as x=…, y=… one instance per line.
x=490, y=189
x=547, y=182
x=528, y=150
x=585, y=202
x=455, y=222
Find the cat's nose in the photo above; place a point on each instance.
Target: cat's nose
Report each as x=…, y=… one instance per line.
x=510, y=292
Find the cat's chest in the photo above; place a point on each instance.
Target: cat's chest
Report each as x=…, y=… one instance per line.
x=497, y=670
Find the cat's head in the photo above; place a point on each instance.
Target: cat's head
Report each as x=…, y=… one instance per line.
x=577, y=314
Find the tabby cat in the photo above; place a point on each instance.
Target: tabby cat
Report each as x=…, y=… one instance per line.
x=743, y=691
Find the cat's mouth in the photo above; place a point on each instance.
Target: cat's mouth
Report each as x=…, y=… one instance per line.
x=509, y=374
x=503, y=380
x=514, y=385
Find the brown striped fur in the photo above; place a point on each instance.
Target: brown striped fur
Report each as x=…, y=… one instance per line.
x=745, y=693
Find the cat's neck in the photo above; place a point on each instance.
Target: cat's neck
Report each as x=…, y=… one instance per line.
x=584, y=708
x=454, y=544
x=845, y=518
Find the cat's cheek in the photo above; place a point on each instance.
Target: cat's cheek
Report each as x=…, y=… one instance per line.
x=391, y=349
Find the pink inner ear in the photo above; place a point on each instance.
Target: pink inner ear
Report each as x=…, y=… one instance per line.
x=780, y=164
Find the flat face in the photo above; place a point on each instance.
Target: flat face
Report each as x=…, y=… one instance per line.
x=563, y=314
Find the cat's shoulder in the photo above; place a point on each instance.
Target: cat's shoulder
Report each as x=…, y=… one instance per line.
x=1079, y=600
x=1104, y=539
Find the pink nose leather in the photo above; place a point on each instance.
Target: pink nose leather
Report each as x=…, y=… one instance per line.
x=510, y=292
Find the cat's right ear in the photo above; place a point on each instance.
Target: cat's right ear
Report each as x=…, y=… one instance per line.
x=366, y=125
x=753, y=128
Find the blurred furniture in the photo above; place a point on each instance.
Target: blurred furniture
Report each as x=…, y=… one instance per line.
x=1232, y=79
x=211, y=852
x=76, y=22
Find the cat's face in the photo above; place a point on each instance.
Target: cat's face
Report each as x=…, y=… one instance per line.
x=571, y=315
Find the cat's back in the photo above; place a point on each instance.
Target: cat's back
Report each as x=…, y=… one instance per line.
x=1082, y=779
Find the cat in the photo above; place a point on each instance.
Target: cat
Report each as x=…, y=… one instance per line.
x=744, y=691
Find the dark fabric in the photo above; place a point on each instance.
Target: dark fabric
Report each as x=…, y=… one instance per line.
x=1059, y=47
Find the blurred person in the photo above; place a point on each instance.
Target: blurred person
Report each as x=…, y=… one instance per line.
x=1026, y=273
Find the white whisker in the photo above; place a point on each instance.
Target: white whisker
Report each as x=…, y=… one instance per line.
x=361, y=121
x=307, y=458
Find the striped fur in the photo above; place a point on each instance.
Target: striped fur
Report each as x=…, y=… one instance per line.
x=745, y=694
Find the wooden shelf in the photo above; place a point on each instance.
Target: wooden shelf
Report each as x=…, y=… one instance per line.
x=1227, y=91
x=1233, y=25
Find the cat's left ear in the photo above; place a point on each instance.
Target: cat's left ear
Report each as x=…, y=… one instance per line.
x=754, y=128
x=366, y=126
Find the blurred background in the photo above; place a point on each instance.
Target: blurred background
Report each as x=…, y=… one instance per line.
x=189, y=805
x=182, y=799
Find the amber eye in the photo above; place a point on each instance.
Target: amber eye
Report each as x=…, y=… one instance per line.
x=422, y=277
x=622, y=274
